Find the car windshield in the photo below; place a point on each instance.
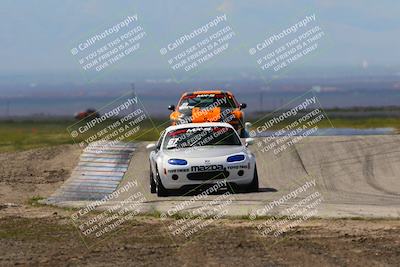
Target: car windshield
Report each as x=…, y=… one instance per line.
x=201, y=136
x=207, y=100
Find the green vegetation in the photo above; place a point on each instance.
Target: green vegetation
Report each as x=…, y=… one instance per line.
x=351, y=122
x=22, y=135
x=363, y=123
x=34, y=201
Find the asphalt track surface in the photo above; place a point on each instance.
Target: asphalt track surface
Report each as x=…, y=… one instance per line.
x=355, y=176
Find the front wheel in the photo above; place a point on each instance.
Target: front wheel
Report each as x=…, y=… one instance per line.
x=160, y=189
x=253, y=186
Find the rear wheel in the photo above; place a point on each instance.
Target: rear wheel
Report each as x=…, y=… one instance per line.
x=153, y=184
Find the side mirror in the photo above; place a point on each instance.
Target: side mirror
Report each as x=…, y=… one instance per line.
x=243, y=106
x=249, y=141
x=151, y=147
x=171, y=107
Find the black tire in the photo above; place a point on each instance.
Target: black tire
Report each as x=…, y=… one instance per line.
x=233, y=188
x=153, y=184
x=160, y=189
x=253, y=186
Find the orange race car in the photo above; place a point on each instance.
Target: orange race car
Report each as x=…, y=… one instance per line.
x=209, y=106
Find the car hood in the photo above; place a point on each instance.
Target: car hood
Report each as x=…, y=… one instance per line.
x=204, y=151
x=204, y=115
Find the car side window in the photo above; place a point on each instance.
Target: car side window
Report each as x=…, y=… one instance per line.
x=160, y=140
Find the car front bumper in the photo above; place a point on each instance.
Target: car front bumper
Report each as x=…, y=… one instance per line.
x=177, y=178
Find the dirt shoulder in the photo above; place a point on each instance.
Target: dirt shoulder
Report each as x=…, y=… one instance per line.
x=44, y=235
x=36, y=172
x=53, y=241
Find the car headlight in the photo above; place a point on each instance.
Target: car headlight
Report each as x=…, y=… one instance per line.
x=235, y=158
x=177, y=162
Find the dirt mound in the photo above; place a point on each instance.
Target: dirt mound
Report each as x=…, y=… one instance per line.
x=36, y=172
x=38, y=166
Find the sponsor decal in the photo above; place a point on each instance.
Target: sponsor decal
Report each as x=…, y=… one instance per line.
x=178, y=170
x=207, y=168
x=237, y=167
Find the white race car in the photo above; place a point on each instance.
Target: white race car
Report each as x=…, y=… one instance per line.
x=189, y=155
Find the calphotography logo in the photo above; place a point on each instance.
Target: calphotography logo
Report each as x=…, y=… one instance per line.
x=122, y=120
x=191, y=51
x=108, y=47
x=280, y=50
x=95, y=227
x=280, y=131
x=304, y=203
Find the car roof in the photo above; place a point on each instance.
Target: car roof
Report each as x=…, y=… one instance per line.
x=203, y=124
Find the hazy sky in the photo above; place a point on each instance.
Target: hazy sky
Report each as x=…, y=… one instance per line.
x=38, y=35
